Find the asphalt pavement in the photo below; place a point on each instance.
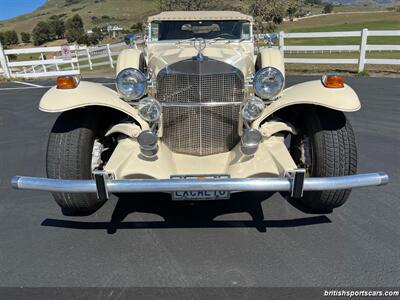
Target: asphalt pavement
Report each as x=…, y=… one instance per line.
x=249, y=241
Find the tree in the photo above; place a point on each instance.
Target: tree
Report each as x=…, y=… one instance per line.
x=57, y=27
x=313, y=2
x=268, y=13
x=71, y=2
x=10, y=37
x=167, y=5
x=74, y=30
x=83, y=39
x=41, y=33
x=2, y=38
x=137, y=27
x=328, y=8
x=25, y=37
x=96, y=36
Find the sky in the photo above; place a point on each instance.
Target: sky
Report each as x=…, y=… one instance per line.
x=13, y=8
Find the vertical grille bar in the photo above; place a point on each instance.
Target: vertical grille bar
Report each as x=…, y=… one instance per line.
x=200, y=130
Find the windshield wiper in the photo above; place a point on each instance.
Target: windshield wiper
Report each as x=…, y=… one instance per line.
x=218, y=38
x=184, y=41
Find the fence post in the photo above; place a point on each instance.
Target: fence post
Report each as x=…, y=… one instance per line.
x=3, y=62
x=56, y=64
x=89, y=58
x=282, y=42
x=43, y=63
x=110, y=56
x=363, y=48
x=77, y=58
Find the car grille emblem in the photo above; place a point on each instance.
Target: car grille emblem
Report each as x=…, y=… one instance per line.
x=199, y=44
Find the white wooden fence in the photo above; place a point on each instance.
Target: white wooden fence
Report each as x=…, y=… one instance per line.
x=362, y=48
x=77, y=58
x=41, y=67
x=80, y=57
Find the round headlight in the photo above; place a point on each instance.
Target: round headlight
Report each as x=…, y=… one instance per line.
x=252, y=108
x=268, y=82
x=149, y=109
x=131, y=84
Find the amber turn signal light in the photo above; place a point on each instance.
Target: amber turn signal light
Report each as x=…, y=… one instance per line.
x=333, y=81
x=66, y=82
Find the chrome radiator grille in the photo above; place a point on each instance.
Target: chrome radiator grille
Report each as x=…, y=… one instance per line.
x=200, y=130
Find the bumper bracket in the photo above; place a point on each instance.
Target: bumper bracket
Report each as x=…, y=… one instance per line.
x=297, y=182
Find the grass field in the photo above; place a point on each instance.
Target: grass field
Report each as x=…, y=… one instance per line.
x=345, y=22
x=375, y=54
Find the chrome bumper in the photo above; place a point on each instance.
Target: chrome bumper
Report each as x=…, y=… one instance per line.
x=286, y=184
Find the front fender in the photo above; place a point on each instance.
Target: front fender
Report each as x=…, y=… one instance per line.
x=271, y=57
x=315, y=93
x=130, y=58
x=87, y=94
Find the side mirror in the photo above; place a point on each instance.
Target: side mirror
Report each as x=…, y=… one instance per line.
x=130, y=39
x=271, y=38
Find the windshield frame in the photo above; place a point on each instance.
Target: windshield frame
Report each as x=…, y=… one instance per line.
x=149, y=35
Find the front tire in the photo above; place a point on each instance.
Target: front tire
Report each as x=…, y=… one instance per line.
x=69, y=154
x=326, y=148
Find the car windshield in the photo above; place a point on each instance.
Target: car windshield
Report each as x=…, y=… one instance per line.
x=182, y=30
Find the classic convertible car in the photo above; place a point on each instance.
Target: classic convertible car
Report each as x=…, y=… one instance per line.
x=201, y=112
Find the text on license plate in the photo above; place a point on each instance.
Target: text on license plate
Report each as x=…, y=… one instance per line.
x=200, y=195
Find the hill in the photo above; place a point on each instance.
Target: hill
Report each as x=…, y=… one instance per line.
x=128, y=12
x=363, y=2
x=93, y=12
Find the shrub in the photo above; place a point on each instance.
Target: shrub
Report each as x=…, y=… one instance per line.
x=25, y=37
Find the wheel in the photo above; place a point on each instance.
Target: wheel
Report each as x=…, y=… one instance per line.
x=326, y=148
x=73, y=138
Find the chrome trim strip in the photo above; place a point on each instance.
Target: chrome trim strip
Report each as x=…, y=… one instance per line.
x=173, y=185
x=199, y=104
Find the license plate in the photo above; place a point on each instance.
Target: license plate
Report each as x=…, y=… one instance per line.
x=200, y=195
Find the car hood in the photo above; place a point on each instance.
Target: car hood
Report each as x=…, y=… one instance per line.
x=239, y=55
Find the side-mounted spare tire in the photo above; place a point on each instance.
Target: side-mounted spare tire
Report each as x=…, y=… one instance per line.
x=69, y=154
x=326, y=148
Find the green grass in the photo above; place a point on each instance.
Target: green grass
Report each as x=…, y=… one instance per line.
x=375, y=54
x=374, y=40
x=346, y=22
x=391, y=24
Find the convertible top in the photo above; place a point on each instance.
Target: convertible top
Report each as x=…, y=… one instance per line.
x=199, y=15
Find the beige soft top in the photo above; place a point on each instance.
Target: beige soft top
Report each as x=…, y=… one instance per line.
x=199, y=15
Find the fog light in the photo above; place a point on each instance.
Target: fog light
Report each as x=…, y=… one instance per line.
x=148, y=143
x=149, y=109
x=251, y=138
x=252, y=108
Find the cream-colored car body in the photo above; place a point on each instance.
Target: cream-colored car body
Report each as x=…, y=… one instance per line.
x=85, y=95
x=130, y=58
x=272, y=158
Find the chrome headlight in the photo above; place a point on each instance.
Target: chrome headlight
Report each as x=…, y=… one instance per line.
x=131, y=84
x=268, y=82
x=149, y=109
x=252, y=108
